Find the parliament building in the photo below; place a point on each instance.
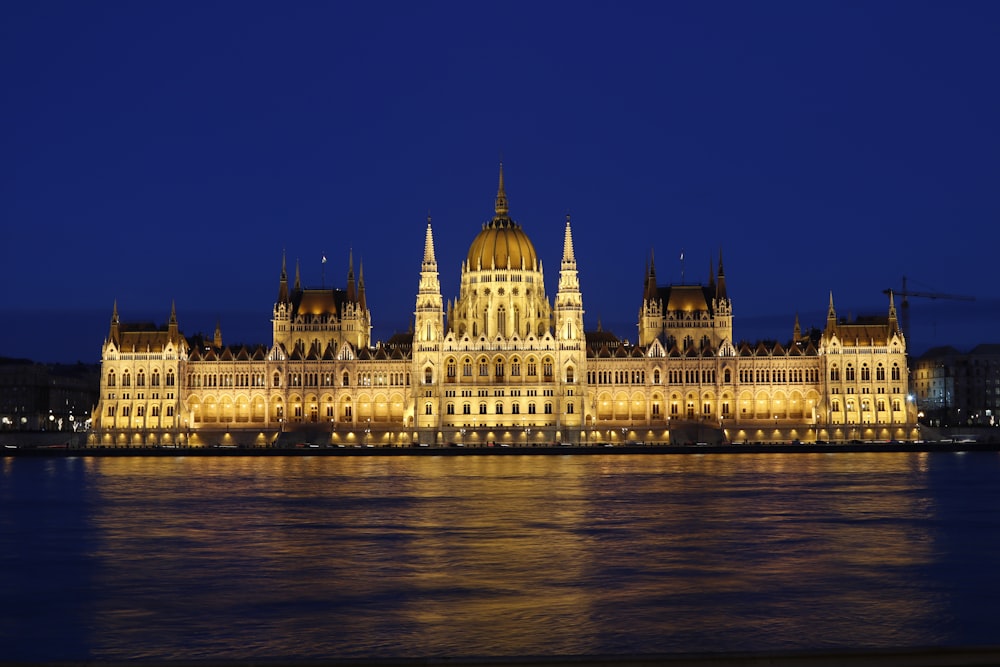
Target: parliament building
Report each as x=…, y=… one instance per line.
x=503, y=365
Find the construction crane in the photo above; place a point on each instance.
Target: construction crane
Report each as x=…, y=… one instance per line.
x=905, y=305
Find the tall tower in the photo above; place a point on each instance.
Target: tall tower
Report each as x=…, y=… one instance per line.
x=427, y=336
x=429, y=323
x=568, y=319
x=568, y=308
x=281, y=318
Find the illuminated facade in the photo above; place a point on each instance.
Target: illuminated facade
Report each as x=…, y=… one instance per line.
x=502, y=364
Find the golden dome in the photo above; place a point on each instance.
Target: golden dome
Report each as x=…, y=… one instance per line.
x=502, y=241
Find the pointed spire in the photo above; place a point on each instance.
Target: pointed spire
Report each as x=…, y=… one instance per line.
x=217, y=340
x=429, y=245
x=650, y=293
x=501, y=207
x=113, y=332
x=831, y=314
x=893, y=322
x=351, y=293
x=172, y=324
x=283, y=281
x=361, y=286
x=797, y=330
x=720, y=289
x=298, y=282
x=568, y=255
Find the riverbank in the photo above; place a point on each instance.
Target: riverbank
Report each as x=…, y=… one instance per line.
x=58, y=450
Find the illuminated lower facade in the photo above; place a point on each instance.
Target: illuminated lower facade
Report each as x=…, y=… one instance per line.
x=502, y=364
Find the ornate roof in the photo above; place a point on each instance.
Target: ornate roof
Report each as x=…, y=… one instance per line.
x=502, y=242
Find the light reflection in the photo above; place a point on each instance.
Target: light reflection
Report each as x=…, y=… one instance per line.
x=312, y=557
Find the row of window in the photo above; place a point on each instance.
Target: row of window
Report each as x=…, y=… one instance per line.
x=866, y=405
x=866, y=373
x=498, y=408
x=140, y=379
x=500, y=369
x=140, y=411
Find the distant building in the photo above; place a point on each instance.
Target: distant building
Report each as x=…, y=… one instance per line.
x=503, y=363
x=46, y=397
x=958, y=389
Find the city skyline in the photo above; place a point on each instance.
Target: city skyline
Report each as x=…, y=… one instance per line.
x=170, y=155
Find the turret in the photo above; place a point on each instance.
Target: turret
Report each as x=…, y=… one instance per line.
x=429, y=311
x=172, y=332
x=283, y=282
x=568, y=311
x=352, y=295
x=114, y=334
x=720, y=288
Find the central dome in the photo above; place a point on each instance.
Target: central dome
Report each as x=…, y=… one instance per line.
x=502, y=242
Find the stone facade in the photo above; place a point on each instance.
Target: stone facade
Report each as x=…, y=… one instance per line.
x=501, y=364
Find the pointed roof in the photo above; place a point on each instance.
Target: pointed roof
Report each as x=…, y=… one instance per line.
x=720, y=289
x=283, y=281
x=429, y=248
x=568, y=255
x=501, y=208
x=351, y=291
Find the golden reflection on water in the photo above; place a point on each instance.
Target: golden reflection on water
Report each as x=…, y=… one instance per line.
x=320, y=557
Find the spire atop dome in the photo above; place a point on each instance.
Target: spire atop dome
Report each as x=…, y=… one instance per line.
x=501, y=208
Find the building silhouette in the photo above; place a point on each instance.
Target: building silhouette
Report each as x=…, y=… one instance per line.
x=504, y=365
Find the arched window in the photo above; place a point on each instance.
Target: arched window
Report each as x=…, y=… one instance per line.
x=499, y=407
x=111, y=378
x=428, y=377
x=834, y=374
x=154, y=380
x=170, y=378
x=849, y=373
x=467, y=367
x=656, y=376
x=452, y=368
x=895, y=371
x=276, y=381
x=866, y=373
x=428, y=409
x=569, y=376
x=346, y=379
x=126, y=379
x=727, y=376
x=880, y=372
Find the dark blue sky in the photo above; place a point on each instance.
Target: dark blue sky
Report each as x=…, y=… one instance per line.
x=157, y=152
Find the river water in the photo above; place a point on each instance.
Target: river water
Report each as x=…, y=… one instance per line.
x=303, y=558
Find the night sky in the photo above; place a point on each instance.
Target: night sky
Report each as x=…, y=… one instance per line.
x=159, y=152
